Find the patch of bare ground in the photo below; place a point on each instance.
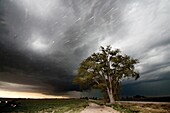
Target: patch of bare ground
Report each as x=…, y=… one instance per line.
x=94, y=108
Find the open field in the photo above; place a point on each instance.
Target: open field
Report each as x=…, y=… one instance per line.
x=78, y=105
x=146, y=107
x=44, y=105
x=138, y=106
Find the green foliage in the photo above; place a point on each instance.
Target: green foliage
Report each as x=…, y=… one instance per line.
x=105, y=70
x=122, y=109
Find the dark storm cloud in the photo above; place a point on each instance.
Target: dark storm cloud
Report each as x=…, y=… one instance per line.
x=156, y=87
x=42, y=42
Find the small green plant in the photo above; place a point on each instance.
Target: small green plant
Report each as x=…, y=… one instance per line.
x=120, y=108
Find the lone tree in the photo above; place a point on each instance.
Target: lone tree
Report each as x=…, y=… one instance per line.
x=105, y=70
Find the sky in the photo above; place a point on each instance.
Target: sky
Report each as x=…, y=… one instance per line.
x=42, y=43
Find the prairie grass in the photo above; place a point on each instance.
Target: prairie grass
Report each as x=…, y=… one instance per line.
x=47, y=105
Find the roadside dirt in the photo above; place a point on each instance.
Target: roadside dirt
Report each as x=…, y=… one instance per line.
x=94, y=108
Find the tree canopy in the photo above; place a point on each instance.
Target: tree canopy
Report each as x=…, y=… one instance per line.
x=105, y=70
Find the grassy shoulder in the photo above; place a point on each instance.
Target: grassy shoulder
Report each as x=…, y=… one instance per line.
x=125, y=107
x=116, y=106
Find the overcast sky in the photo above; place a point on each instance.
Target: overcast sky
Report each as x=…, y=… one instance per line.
x=42, y=42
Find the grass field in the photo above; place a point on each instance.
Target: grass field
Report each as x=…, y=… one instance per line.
x=45, y=105
x=138, y=107
x=147, y=107
x=75, y=106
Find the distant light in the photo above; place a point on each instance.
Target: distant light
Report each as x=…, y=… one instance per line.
x=13, y=105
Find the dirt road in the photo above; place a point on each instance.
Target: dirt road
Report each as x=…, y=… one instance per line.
x=94, y=108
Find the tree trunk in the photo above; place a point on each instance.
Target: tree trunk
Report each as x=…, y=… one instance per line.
x=112, y=100
x=111, y=97
x=110, y=91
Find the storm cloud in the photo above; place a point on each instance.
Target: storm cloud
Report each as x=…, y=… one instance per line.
x=42, y=42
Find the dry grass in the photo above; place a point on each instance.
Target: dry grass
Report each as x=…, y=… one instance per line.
x=147, y=108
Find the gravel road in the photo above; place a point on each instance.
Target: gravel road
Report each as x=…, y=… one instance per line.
x=94, y=108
